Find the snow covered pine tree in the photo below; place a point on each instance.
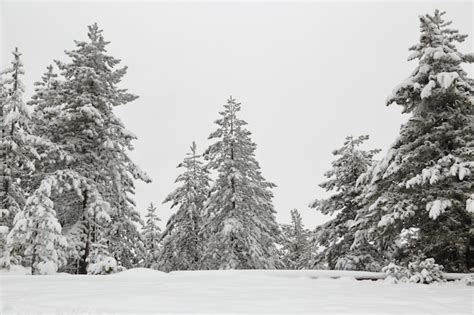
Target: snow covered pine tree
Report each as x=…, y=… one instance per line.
x=17, y=153
x=424, y=183
x=101, y=141
x=240, y=214
x=182, y=240
x=151, y=237
x=97, y=210
x=334, y=236
x=296, y=249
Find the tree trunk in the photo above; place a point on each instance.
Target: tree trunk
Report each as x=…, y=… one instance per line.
x=86, y=234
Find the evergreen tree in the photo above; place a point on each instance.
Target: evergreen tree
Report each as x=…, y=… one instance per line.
x=17, y=150
x=424, y=183
x=151, y=236
x=46, y=104
x=93, y=143
x=36, y=236
x=295, y=243
x=183, y=239
x=43, y=241
x=334, y=236
x=240, y=214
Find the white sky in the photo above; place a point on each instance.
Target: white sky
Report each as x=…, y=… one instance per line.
x=307, y=74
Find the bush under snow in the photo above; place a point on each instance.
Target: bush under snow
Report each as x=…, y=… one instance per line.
x=104, y=265
x=424, y=271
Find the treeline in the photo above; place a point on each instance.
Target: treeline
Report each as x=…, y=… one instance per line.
x=68, y=182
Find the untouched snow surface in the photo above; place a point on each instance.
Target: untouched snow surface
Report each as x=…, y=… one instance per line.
x=147, y=291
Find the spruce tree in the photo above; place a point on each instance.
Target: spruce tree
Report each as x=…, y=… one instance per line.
x=295, y=243
x=36, y=236
x=240, y=214
x=17, y=150
x=93, y=143
x=46, y=102
x=183, y=242
x=424, y=183
x=151, y=237
x=335, y=236
x=43, y=242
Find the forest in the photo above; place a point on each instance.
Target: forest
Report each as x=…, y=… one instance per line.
x=68, y=182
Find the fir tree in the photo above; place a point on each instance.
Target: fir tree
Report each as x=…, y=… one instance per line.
x=97, y=146
x=334, y=235
x=36, y=235
x=43, y=242
x=425, y=180
x=183, y=242
x=15, y=144
x=151, y=236
x=17, y=150
x=296, y=243
x=45, y=102
x=240, y=214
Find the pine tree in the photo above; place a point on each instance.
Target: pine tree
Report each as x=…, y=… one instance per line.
x=151, y=236
x=43, y=241
x=424, y=183
x=36, y=236
x=46, y=104
x=17, y=150
x=183, y=241
x=296, y=243
x=97, y=144
x=334, y=235
x=240, y=214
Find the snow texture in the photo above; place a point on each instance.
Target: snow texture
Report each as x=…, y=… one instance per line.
x=446, y=79
x=146, y=291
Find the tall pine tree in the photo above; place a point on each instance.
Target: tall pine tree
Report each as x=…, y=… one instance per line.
x=94, y=144
x=424, y=183
x=240, y=214
x=17, y=150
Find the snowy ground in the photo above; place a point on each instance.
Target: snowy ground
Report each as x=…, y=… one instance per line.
x=147, y=291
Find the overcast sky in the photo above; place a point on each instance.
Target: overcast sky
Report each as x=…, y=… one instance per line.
x=308, y=74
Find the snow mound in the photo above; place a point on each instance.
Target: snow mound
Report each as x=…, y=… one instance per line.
x=16, y=270
x=136, y=273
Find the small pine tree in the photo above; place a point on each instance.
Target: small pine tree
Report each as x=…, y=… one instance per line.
x=295, y=243
x=36, y=236
x=240, y=214
x=151, y=236
x=44, y=243
x=335, y=236
x=182, y=240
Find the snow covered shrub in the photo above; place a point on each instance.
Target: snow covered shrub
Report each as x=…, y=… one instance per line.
x=357, y=262
x=426, y=271
x=102, y=265
x=469, y=280
x=4, y=251
x=419, y=271
x=46, y=268
x=396, y=273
